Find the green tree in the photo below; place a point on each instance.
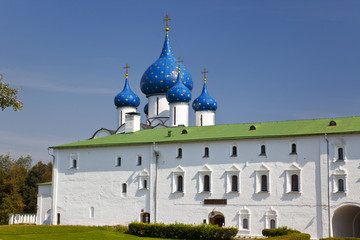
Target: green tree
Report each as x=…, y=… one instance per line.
x=6, y=162
x=8, y=96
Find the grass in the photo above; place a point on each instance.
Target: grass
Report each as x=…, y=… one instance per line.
x=33, y=232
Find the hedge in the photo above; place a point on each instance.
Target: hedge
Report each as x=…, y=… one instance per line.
x=281, y=231
x=293, y=236
x=182, y=231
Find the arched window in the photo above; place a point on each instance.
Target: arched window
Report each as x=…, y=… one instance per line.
x=264, y=183
x=340, y=154
x=234, y=183
x=293, y=148
x=206, y=152
x=341, y=187
x=179, y=153
x=180, y=183
x=206, y=183
x=245, y=223
x=294, y=183
x=262, y=150
x=234, y=151
x=146, y=217
x=272, y=223
x=124, y=188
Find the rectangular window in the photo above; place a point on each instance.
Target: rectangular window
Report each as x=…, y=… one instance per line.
x=139, y=162
x=293, y=148
x=234, y=151
x=179, y=153
x=118, y=162
x=74, y=165
x=175, y=116
x=124, y=188
x=341, y=154
x=262, y=150
x=206, y=152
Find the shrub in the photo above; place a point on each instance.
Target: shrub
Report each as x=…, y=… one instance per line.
x=340, y=238
x=281, y=231
x=182, y=231
x=293, y=236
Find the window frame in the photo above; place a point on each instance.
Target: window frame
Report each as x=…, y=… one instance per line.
x=176, y=173
x=74, y=158
x=204, y=171
x=262, y=150
x=339, y=174
x=144, y=175
x=263, y=170
x=294, y=169
x=243, y=214
x=271, y=215
x=230, y=172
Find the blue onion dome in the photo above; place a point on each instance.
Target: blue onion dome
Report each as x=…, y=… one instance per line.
x=162, y=74
x=178, y=93
x=127, y=98
x=146, y=109
x=205, y=102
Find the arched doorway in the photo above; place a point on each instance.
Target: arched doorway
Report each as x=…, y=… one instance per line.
x=217, y=218
x=145, y=218
x=346, y=221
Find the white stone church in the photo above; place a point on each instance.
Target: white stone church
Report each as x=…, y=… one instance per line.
x=302, y=174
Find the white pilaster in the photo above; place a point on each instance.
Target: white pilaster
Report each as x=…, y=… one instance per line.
x=179, y=114
x=205, y=118
x=122, y=111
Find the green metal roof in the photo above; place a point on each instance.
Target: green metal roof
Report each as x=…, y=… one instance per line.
x=45, y=183
x=225, y=132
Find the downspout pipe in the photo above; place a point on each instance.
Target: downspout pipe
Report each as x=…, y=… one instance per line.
x=156, y=153
x=328, y=183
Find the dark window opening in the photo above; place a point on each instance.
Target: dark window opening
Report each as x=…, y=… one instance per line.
x=234, y=183
x=184, y=131
x=264, y=183
x=139, y=160
x=180, y=183
x=118, y=163
x=294, y=183
x=262, y=150
x=145, y=183
x=206, y=183
x=74, y=163
x=206, y=152
x=245, y=223
x=341, y=154
x=179, y=153
x=293, y=148
x=234, y=151
x=341, y=187
x=174, y=115
x=124, y=188
x=272, y=223
x=201, y=120
x=252, y=127
x=146, y=218
x=157, y=106
x=58, y=219
x=332, y=123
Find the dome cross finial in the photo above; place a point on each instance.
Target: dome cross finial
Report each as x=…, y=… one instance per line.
x=167, y=19
x=204, y=72
x=179, y=61
x=127, y=70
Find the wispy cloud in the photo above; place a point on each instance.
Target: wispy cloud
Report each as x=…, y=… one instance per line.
x=49, y=83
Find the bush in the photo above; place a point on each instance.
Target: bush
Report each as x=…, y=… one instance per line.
x=340, y=238
x=281, y=231
x=182, y=231
x=294, y=236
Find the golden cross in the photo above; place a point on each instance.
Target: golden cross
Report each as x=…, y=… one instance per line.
x=205, y=72
x=167, y=19
x=179, y=61
x=126, y=69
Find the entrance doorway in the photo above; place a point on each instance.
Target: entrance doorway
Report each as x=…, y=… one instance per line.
x=217, y=218
x=146, y=217
x=346, y=221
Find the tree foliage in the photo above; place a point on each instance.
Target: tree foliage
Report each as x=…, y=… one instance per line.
x=8, y=97
x=18, y=184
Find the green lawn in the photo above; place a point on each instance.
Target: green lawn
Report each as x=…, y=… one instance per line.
x=32, y=232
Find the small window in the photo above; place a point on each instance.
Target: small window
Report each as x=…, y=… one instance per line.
x=252, y=127
x=245, y=223
x=332, y=123
x=206, y=152
x=341, y=154
x=92, y=212
x=234, y=183
x=124, y=188
x=145, y=183
x=234, y=151
x=293, y=148
x=180, y=183
x=58, y=219
x=118, y=162
x=264, y=183
x=74, y=163
x=272, y=223
x=262, y=150
x=184, y=131
x=341, y=187
x=139, y=160
x=179, y=153
x=294, y=183
x=206, y=183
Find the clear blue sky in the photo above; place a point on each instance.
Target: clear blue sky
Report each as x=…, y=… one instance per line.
x=267, y=61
